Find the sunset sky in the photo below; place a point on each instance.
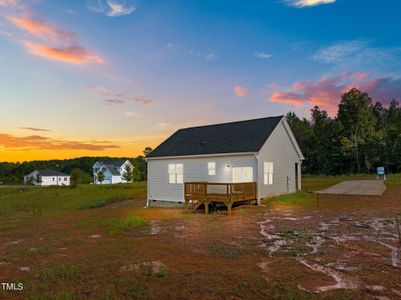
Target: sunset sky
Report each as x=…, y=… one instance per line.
x=110, y=77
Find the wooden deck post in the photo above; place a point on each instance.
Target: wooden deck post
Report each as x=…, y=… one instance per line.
x=229, y=204
x=206, y=203
x=229, y=208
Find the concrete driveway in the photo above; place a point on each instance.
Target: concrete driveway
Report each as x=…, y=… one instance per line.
x=357, y=187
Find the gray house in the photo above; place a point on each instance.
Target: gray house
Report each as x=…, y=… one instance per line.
x=262, y=153
x=113, y=171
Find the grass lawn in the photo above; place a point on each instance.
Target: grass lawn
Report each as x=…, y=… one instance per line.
x=40, y=199
x=86, y=243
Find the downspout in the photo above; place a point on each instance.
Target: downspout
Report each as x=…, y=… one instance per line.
x=257, y=180
x=147, y=182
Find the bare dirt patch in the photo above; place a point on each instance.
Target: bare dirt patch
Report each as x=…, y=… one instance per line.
x=347, y=248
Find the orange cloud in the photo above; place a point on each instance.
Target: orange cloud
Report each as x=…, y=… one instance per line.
x=73, y=54
x=40, y=28
x=11, y=142
x=240, y=91
x=286, y=98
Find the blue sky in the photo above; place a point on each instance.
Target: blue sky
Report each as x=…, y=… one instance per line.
x=109, y=77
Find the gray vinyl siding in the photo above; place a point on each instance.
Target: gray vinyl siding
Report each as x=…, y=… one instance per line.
x=195, y=169
x=279, y=150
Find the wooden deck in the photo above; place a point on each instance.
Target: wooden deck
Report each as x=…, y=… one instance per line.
x=198, y=193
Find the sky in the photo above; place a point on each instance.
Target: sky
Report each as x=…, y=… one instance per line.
x=110, y=77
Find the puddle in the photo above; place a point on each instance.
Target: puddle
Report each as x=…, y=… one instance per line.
x=375, y=287
x=316, y=243
x=342, y=281
x=155, y=228
x=94, y=236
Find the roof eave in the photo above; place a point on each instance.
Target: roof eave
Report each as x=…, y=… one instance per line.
x=201, y=155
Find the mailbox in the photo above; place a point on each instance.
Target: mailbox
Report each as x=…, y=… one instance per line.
x=380, y=172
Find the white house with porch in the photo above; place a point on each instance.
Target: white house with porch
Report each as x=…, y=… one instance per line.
x=47, y=178
x=241, y=160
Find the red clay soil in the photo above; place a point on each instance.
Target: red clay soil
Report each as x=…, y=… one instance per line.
x=347, y=248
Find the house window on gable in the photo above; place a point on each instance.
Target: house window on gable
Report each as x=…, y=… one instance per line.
x=211, y=168
x=175, y=173
x=268, y=173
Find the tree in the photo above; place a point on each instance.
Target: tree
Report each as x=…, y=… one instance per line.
x=100, y=176
x=147, y=151
x=356, y=123
x=128, y=173
x=29, y=181
x=78, y=176
x=38, y=179
x=323, y=142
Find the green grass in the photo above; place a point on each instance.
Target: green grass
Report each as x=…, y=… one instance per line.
x=301, y=198
x=116, y=226
x=56, y=272
x=37, y=200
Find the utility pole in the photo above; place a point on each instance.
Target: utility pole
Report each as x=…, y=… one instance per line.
x=57, y=173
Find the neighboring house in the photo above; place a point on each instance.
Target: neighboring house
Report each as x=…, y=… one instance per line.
x=113, y=171
x=47, y=177
x=263, y=151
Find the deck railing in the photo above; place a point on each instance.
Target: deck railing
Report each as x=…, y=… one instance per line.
x=227, y=193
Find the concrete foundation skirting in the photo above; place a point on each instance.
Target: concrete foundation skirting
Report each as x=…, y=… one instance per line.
x=160, y=203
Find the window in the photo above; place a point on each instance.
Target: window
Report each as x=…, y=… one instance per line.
x=65, y=178
x=242, y=174
x=268, y=173
x=211, y=168
x=175, y=173
x=53, y=178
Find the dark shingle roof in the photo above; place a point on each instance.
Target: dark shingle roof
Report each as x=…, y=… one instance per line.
x=49, y=172
x=113, y=169
x=114, y=162
x=235, y=137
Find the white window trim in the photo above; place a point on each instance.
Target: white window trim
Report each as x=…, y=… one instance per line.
x=211, y=168
x=268, y=169
x=175, y=173
x=242, y=174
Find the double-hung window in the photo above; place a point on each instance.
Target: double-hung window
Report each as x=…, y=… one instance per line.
x=268, y=173
x=211, y=168
x=175, y=173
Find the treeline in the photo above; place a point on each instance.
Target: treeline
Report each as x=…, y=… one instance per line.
x=362, y=136
x=80, y=168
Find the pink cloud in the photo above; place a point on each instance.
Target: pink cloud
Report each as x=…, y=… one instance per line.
x=143, y=100
x=47, y=40
x=40, y=28
x=72, y=54
x=240, y=91
x=326, y=92
x=11, y=3
x=286, y=98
